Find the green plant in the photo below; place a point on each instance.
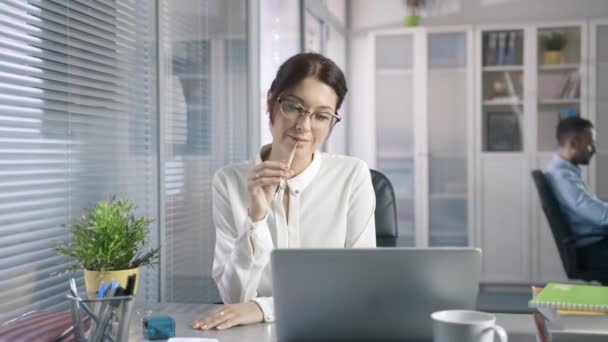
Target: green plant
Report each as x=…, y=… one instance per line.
x=554, y=41
x=108, y=237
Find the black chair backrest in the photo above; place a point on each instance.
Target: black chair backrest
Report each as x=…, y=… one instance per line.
x=558, y=222
x=387, y=230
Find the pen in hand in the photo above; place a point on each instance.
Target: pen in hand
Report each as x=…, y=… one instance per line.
x=291, y=155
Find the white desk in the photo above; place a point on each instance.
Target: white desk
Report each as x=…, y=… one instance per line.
x=520, y=327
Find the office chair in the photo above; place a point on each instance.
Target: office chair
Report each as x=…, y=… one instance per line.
x=385, y=214
x=563, y=236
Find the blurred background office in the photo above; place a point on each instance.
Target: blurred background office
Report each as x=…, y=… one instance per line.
x=147, y=99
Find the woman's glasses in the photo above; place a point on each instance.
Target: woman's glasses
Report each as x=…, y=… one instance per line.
x=292, y=111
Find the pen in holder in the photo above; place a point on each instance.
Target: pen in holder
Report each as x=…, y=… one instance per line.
x=101, y=325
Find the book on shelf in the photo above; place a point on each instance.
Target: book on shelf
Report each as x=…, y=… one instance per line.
x=502, y=131
x=491, y=53
x=511, y=48
x=510, y=85
x=502, y=46
x=571, y=86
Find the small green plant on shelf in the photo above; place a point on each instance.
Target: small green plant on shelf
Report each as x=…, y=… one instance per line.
x=553, y=44
x=554, y=41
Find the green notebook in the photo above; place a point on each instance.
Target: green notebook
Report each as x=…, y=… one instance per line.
x=572, y=297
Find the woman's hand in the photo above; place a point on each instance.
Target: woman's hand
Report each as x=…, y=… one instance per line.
x=262, y=182
x=229, y=316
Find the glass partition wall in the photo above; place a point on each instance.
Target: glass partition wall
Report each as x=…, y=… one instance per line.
x=205, y=124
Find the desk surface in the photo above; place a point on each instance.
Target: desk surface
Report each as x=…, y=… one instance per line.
x=520, y=327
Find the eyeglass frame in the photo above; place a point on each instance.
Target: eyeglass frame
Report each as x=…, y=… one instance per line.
x=306, y=112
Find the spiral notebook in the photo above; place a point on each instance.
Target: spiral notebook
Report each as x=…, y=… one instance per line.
x=560, y=296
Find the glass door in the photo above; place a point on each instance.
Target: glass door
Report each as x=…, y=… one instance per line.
x=394, y=109
x=449, y=116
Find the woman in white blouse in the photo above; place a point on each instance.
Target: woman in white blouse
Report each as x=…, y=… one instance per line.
x=328, y=200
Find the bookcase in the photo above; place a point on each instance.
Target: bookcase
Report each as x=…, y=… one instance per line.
x=524, y=90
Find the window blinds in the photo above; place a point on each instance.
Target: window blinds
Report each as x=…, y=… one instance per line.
x=78, y=123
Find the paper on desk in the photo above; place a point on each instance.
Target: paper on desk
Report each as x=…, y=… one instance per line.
x=191, y=339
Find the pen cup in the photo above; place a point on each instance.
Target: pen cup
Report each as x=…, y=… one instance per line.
x=117, y=308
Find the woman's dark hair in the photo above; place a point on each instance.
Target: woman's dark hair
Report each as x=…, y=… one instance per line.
x=572, y=126
x=304, y=65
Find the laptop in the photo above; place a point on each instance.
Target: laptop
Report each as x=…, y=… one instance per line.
x=379, y=294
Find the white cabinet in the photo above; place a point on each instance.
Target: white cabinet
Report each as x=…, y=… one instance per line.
x=520, y=98
x=423, y=79
x=459, y=127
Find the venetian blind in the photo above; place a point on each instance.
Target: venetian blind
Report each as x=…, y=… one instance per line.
x=77, y=124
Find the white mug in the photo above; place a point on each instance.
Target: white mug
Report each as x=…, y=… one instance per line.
x=466, y=326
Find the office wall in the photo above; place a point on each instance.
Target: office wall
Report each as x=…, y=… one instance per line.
x=367, y=14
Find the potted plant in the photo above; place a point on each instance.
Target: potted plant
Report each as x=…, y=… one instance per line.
x=413, y=8
x=553, y=44
x=109, y=242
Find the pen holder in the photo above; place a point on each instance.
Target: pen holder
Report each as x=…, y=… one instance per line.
x=101, y=312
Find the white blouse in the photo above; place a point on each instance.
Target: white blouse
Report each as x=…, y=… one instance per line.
x=331, y=205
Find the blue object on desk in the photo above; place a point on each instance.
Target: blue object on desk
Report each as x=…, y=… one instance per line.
x=159, y=327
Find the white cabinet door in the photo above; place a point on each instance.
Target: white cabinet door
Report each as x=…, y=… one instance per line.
x=394, y=109
x=449, y=93
x=502, y=227
x=423, y=91
x=523, y=93
x=560, y=92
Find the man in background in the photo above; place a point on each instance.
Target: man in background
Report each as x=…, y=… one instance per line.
x=584, y=210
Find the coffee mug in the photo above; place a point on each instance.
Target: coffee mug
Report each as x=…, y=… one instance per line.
x=466, y=326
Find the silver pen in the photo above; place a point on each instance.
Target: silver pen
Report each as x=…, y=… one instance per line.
x=280, y=186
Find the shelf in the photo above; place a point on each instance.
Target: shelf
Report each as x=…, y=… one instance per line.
x=500, y=68
x=503, y=102
x=558, y=101
x=558, y=67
